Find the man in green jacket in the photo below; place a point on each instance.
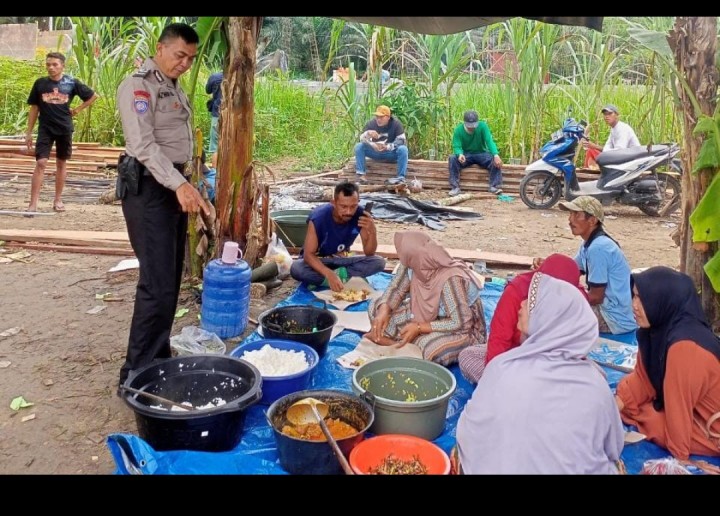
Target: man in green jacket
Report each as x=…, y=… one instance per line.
x=473, y=144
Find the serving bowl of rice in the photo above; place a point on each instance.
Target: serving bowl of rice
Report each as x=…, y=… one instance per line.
x=286, y=366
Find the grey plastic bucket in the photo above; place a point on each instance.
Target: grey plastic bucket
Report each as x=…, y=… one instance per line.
x=411, y=395
x=291, y=226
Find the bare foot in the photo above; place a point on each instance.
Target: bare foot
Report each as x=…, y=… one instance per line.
x=58, y=206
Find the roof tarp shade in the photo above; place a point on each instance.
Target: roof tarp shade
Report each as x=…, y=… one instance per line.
x=453, y=24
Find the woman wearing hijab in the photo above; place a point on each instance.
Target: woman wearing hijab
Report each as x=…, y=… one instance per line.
x=673, y=395
x=433, y=301
x=542, y=408
x=504, y=333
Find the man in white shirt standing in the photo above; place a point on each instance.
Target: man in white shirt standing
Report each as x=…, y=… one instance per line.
x=621, y=136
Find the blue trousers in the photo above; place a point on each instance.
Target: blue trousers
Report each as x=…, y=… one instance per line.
x=213, y=134
x=361, y=266
x=399, y=155
x=483, y=159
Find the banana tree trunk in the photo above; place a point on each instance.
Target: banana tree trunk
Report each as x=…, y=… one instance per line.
x=235, y=198
x=694, y=44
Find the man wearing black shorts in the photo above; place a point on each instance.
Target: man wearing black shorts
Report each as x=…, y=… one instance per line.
x=50, y=98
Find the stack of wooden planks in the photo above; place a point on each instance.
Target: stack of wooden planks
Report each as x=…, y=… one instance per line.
x=88, y=159
x=89, y=242
x=434, y=175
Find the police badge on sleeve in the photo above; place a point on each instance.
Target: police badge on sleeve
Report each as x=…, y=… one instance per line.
x=141, y=101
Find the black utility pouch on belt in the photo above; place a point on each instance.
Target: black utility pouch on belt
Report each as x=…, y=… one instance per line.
x=130, y=171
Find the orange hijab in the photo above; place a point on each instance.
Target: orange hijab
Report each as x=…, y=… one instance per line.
x=432, y=266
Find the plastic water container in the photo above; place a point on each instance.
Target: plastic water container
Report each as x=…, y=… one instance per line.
x=226, y=296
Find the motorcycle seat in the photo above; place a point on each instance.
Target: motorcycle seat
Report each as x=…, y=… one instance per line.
x=613, y=157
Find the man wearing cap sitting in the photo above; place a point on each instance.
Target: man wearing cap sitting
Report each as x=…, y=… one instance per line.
x=383, y=139
x=473, y=144
x=606, y=270
x=621, y=136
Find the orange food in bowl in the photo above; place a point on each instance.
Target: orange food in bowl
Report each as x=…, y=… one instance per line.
x=372, y=453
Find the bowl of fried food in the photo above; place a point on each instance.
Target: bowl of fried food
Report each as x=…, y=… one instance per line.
x=351, y=294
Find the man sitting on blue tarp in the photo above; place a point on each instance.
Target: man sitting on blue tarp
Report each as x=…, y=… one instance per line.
x=325, y=258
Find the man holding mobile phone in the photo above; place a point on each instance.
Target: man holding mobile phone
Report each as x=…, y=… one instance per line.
x=326, y=259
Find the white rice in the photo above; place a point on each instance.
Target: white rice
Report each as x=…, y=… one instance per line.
x=271, y=361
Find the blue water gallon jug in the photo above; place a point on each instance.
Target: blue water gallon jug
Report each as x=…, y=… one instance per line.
x=226, y=295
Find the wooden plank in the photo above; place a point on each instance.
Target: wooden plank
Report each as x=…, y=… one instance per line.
x=24, y=213
x=73, y=249
x=118, y=236
x=468, y=255
x=114, y=239
x=298, y=179
x=441, y=167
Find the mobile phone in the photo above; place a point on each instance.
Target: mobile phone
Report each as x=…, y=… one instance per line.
x=368, y=206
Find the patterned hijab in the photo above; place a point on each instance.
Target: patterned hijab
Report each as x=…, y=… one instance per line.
x=673, y=308
x=542, y=407
x=432, y=266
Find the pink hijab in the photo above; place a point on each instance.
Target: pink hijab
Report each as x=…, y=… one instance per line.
x=432, y=266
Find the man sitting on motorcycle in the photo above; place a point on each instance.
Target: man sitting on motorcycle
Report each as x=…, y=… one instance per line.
x=603, y=264
x=621, y=136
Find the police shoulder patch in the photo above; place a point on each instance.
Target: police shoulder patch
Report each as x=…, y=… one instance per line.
x=141, y=72
x=141, y=101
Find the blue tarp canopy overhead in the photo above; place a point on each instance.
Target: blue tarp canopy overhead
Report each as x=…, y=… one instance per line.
x=454, y=24
x=257, y=451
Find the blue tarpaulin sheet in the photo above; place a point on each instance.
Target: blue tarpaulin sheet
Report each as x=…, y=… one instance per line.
x=257, y=452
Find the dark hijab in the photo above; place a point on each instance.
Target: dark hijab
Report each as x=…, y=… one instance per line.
x=673, y=308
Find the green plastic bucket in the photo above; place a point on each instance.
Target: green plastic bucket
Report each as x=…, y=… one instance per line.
x=291, y=226
x=410, y=395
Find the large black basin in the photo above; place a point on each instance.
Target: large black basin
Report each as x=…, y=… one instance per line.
x=198, y=379
x=310, y=325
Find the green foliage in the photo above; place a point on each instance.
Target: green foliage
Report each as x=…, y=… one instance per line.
x=550, y=68
x=709, y=155
x=16, y=80
x=290, y=122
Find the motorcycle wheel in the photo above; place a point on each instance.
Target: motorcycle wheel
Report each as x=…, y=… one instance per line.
x=670, y=187
x=540, y=190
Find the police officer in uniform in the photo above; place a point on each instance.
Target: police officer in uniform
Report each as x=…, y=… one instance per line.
x=154, y=188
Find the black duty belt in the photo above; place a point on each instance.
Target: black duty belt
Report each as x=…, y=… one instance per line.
x=180, y=167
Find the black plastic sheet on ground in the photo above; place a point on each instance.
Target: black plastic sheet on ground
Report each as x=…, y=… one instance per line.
x=397, y=208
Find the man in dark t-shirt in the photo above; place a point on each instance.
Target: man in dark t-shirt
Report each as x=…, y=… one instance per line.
x=382, y=139
x=325, y=258
x=213, y=87
x=50, y=98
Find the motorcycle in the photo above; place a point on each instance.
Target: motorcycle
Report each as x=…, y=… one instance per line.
x=647, y=176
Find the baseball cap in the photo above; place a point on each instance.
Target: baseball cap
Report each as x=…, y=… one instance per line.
x=585, y=203
x=471, y=119
x=610, y=107
x=382, y=111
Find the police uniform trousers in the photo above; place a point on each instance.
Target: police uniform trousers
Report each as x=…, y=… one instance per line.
x=157, y=228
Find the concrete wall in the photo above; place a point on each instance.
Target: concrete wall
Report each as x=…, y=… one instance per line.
x=23, y=41
x=54, y=41
x=18, y=40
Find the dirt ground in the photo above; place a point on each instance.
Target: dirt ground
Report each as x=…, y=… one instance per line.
x=66, y=361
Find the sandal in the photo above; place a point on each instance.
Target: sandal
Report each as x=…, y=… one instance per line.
x=59, y=207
